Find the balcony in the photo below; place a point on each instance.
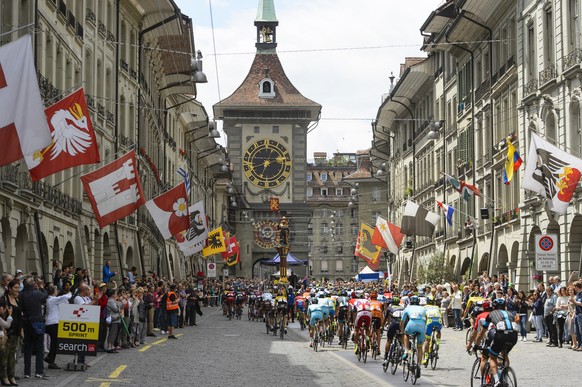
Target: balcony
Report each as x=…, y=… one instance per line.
x=531, y=87
x=506, y=217
x=102, y=29
x=52, y=3
x=101, y=110
x=79, y=31
x=60, y=199
x=547, y=74
x=572, y=59
x=124, y=65
x=133, y=73
x=47, y=90
x=110, y=118
x=62, y=9
x=90, y=17
x=110, y=37
x=125, y=142
x=90, y=102
x=71, y=20
x=483, y=90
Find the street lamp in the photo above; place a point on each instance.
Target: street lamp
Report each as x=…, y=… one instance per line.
x=435, y=127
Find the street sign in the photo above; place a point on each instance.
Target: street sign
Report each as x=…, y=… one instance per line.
x=225, y=273
x=78, y=329
x=211, y=270
x=547, y=252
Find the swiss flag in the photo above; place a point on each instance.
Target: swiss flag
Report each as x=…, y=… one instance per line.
x=23, y=125
x=232, y=253
x=170, y=211
x=74, y=140
x=114, y=190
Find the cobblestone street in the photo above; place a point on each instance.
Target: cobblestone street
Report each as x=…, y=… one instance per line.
x=218, y=352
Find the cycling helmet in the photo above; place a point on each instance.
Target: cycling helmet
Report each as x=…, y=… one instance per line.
x=395, y=300
x=499, y=303
x=321, y=295
x=414, y=300
x=422, y=301
x=486, y=305
x=344, y=293
x=314, y=300
x=353, y=295
x=373, y=296
x=430, y=300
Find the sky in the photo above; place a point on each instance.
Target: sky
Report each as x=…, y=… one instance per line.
x=348, y=51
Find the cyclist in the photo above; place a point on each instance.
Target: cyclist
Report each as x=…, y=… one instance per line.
x=300, y=304
x=341, y=311
x=501, y=337
x=392, y=318
x=230, y=297
x=352, y=308
x=281, y=304
x=376, y=307
x=291, y=303
x=434, y=321
x=240, y=297
x=478, y=327
x=363, y=320
x=471, y=303
x=267, y=307
x=315, y=315
x=414, y=322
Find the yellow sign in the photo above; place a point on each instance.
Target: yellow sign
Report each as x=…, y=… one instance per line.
x=78, y=330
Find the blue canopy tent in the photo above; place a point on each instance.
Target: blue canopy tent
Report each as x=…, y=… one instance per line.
x=368, y=275
x=291, y=261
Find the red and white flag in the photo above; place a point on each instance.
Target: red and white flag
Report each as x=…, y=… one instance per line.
x=114, y=190
x=193, y=240
x=170, y=211
x=74, y=141
x=387, y=235
x=23, y=125
x=232, y=253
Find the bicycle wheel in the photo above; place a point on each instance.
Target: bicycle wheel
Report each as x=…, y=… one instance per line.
x=405, y=370
x=486, y=377
x=281, y=328
x=508, y=377
x=267, y=325
x=315, y=342
x=434, y=355
x=395, y=360
x=413, y=365
x=468, y=335
x=475, y=376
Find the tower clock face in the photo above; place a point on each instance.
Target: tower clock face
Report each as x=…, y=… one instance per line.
x=267, y=163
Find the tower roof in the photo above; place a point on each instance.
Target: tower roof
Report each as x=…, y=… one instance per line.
x=266, y=11
x=247, y=96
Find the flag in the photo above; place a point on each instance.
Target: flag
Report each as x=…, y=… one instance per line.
x=417, y=220
x=74, y=141
x=387, y=235
x=274, y=204
x=512, y=163
x=232, y=253
x=183, y=172
x=552, y=173
x=192, y=241
x=463, y=188
x=170, y=211
x=23, y=125
x=448, y=211
x=114, y=190
x=365, y=249
x=216, y=243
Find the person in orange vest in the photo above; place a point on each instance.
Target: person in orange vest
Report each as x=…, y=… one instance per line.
x=172, y=308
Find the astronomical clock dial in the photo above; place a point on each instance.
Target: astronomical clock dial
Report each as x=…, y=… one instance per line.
x=266, y=235
x=267, y=163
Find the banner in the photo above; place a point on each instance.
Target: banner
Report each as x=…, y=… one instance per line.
x=78, y=329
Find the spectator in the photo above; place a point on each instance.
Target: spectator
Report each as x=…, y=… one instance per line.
x=560, y=314
x=577, y=301
x=537, y=307
x=4, y=281
x=457, y=306
x=5, y=323
x=102, y=302
x=149, y=305
x=522, y=308
x=114, y=315
x=8, y=362
x=84, y=298
x=131, y=275
x=107, y=272
x=52, y=322
x=571, y=319
x=549, y=308
x=31, y=303
x=139, y=318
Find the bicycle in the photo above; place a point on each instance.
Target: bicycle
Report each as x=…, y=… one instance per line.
x=301, y=319
x=230, y=311
x=506, y=374
x=410, y=365
x=281, y=326
x=375, y=349
x=476, y=368
x=433, y=351
x=394, y=355
x=239, y=309
x=344, y=336
x=316, y=336
x=363, y=345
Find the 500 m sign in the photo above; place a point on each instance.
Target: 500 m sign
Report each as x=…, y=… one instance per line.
x=78, y=329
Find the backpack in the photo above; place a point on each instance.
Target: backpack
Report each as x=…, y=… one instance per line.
x=72, y=298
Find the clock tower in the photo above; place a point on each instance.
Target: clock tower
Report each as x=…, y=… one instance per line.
x=266, y=121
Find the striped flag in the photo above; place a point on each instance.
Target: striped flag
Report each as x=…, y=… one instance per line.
x=448, y=211
x=512, y=163
x=387, y=235
x=183, y=171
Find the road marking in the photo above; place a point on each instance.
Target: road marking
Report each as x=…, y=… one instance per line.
x=114, y=375
x=145, y=348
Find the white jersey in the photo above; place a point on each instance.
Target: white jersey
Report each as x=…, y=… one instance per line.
x=314, y=308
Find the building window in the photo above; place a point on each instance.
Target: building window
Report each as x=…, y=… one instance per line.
x=338, y=229
x=376, y=194
x=309, y=191
x=324, y=268
x=339, y=265
x=275, y=129
x=324, y=228
x=354, y=265
x=325, y=212
x=340, y=249
x=266, y=88
x=323, y=176
x=353, y=229
x=309, y=176
x=324, y=192
x=375, y=216
x=339, y=192
x=257, y=129
x=549, y=36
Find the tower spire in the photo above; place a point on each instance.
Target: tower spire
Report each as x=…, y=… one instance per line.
x=266, y=23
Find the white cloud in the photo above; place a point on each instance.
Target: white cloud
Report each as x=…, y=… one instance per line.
x=347, y=83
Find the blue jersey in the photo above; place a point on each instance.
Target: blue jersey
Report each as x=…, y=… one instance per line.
x=414, y=313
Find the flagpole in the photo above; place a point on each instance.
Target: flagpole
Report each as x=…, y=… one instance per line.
x=17, y=29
